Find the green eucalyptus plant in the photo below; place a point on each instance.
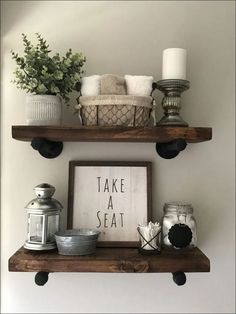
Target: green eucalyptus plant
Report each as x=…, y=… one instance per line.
x=40, y=73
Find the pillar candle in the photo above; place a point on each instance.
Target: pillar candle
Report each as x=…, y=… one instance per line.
x=174, y=63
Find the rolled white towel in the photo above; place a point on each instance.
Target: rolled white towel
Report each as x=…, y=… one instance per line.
x=139, y=85
x=91, y=85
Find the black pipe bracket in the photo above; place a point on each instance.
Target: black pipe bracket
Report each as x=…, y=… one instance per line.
x=179, y=278
x=171, y=149
x=41, y=278
x=46, y=148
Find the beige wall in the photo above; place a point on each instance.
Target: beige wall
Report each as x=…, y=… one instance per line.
x=128, y=38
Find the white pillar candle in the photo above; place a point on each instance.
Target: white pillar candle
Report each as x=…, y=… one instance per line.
x=174, y=63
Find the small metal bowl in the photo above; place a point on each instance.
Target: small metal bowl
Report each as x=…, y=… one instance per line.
x=77, y=241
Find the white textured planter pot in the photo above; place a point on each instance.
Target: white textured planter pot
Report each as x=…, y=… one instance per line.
x=43, y=110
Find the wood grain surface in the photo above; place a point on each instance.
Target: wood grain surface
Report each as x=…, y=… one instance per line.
x=111, y=134
x=111, y=260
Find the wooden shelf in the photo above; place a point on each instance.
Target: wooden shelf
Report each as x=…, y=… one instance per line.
x=111, y=260
x=111, y=134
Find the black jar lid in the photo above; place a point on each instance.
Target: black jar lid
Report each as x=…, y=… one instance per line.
x=180, y=235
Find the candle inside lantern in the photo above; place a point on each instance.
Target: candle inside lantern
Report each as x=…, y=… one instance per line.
x=174, y=63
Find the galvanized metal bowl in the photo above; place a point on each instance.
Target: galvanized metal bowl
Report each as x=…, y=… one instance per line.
x=77, y=241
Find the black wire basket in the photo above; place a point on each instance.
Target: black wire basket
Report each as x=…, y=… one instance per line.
x=153, y=249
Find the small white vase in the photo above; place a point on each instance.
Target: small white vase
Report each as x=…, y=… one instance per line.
x=43, y=110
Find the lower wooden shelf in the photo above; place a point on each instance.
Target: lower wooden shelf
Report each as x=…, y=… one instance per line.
x=111, y=260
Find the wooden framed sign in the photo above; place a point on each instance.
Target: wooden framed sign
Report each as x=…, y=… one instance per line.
x=113, y=197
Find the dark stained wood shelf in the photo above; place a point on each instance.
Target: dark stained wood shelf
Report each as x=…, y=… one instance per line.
x=111, y=134
x=111, y=260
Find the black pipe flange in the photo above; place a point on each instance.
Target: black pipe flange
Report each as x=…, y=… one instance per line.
x=46, y=148
x=41, y=278
x=171, y=149
x=179, y=278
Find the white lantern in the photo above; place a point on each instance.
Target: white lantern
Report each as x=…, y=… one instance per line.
x=43, y=215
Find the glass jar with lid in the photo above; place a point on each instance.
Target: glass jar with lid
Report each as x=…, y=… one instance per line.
x=179, y=226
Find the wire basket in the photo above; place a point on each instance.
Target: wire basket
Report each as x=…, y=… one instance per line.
x=115, y=110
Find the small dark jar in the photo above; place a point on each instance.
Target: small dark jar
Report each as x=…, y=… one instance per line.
x=179, y=226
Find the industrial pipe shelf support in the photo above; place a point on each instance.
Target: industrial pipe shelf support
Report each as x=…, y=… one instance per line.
x=46, y=148
x=171, y=149
x=41, y=278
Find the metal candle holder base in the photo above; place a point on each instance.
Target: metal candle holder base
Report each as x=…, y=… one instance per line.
x=171, y=101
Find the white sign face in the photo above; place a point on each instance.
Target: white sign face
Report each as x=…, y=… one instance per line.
x=113, y=199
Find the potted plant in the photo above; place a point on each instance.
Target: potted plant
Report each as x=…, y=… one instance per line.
x=48, y=79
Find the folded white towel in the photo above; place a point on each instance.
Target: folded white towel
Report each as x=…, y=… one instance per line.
x=139, y=85
x=91, y=85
